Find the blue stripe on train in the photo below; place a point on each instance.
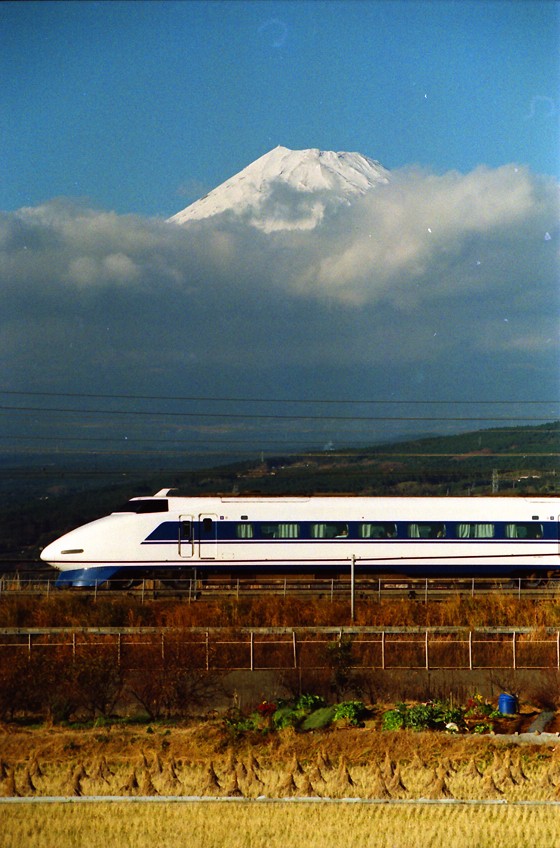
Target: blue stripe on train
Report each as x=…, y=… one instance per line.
x=168, y=532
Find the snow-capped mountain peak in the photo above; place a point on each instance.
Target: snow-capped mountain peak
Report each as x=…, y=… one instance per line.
x=289, y=189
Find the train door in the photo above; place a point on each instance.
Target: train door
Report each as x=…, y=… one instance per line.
x=208, y=536
x=186, y=541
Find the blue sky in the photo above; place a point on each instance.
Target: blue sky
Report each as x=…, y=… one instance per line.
x=441, y=287
x=143, y=107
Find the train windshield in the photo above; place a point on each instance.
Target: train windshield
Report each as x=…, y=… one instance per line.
x=145, y=505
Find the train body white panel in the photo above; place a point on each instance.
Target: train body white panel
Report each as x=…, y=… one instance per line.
x=410, y=536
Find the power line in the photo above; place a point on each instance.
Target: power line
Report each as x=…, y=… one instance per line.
x=271, y=416
x=212, y=399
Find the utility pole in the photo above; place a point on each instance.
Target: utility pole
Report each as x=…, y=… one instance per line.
x=352, y=586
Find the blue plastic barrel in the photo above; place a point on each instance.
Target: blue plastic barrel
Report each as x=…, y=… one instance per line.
x=507, y=704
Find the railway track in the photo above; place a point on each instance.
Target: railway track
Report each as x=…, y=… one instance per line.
x=25, y=581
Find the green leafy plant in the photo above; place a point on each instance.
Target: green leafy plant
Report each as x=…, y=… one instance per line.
x=351, y=711
x=430, y=716
x=287, y=716
x=482, y=727
x=452, y=715
x=318, y=719
x=395, y=719
x=293, y=713
x=309, y=702
x=237, y=724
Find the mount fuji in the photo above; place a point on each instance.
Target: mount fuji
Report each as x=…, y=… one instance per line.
x=289, y=189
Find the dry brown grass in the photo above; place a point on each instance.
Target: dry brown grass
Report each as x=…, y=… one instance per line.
x=74, y=610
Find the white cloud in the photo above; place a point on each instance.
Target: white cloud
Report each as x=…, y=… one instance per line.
x=420, y=272
x=424, y=235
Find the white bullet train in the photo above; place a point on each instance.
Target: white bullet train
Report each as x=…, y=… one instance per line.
x=166, y=537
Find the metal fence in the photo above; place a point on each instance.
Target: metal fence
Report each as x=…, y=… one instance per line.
x=281, y=648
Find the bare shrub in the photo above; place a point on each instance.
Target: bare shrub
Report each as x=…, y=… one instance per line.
x=169, y=683
x=18, y=690
x=55, y=684
x=99, y=681
x=340, y=659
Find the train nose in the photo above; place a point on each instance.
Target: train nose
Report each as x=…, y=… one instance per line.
x=56, y=552
x=49, y=553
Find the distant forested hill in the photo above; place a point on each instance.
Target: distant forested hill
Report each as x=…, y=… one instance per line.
x=39, y=503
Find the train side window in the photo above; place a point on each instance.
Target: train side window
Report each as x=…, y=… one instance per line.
x=185, y=531
x=524, y=530
x=329, y=530
x=280, y=530
x=383, y=530
x=476, y=530
x=207, y=525
x=426, y=530
x=244, y=531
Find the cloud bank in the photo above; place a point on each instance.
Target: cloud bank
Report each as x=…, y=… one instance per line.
x=429, y=282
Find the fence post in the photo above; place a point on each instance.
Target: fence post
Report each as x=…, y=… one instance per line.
x=470, y=651
x=294, y=643
x=427, y=657
x=383, y=650
x=252, y=650
x=119, y=650
x=73, y=647
x=513, y=650
x=207, y=650
x=558, y=649
x=29, y=646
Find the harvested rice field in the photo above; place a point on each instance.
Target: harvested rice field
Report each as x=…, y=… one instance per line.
x=282, y=825
x=202, y=759
x=400, y=789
